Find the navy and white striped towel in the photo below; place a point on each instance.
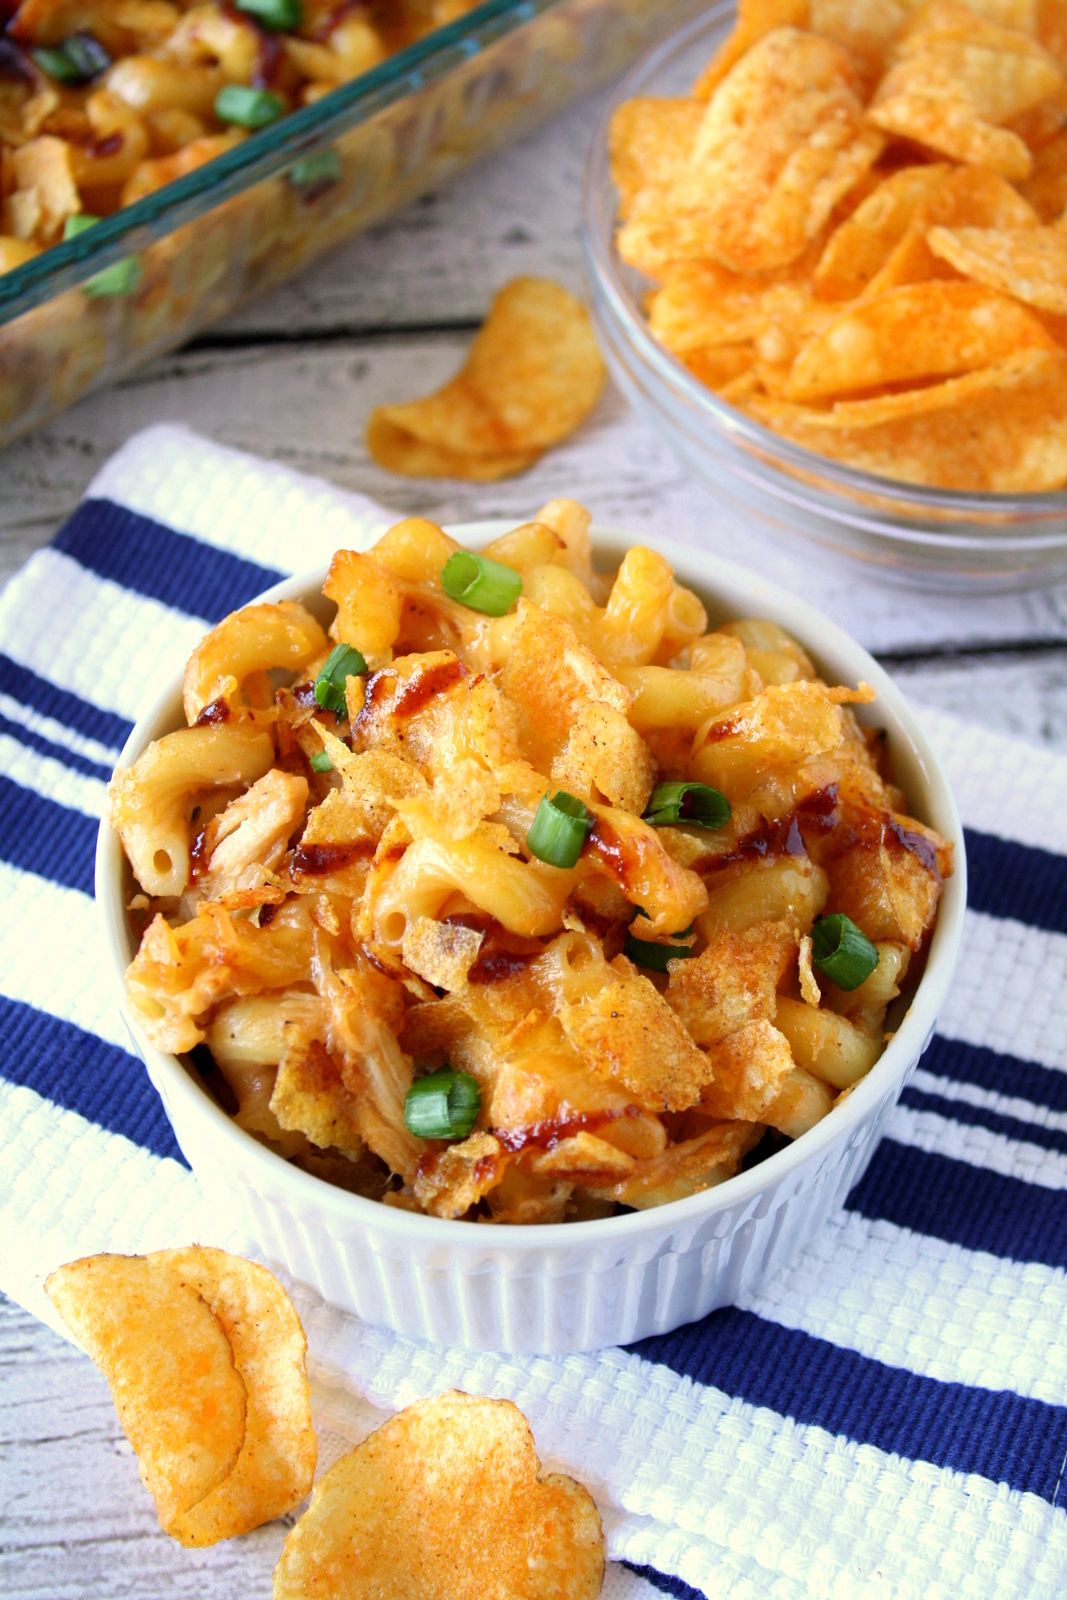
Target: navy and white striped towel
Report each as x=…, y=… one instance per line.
x=889, y=1417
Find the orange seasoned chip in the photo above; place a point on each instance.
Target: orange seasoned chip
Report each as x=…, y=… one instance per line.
x=649, y=143
x=754, y=19
x=702, y=304
x=866, y=27
x=899, y=403
x=720, y=364
x=204, y=1355
x=1029, y=263
x=276, y=1464
x=781, y=142
x=965, y=197
x=1046, y=187
x=531, y=377
x=924, y=330
x=862, y=245
x=956, y=80
x=1009, y=440
x=170, y=1368
x=445, y=1502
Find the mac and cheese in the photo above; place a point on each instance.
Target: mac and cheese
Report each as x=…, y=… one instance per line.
x=343, y=914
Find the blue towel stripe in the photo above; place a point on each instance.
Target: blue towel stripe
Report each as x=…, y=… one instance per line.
x=1007, y=879
x=58, y=752
x=106, y=727
x=970, y=1206
x=86, y=1074
x=131, y=550
x=665, y=1584
x=41, y=836
x=1001, y=1436
x=982, y=1117
x=988, y=1069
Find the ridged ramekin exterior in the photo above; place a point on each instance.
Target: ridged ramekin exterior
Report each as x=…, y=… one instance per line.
x=552, y=1289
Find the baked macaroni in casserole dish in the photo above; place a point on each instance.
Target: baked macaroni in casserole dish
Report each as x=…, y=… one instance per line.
x=102, y=103
x=522, y=896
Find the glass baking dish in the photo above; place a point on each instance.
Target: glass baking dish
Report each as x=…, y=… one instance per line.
x=210, y=240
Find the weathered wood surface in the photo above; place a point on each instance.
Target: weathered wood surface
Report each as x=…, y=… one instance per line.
x=293, y=378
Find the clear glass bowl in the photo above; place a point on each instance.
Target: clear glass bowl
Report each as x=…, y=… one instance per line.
x=212, y=239
x=935, y=538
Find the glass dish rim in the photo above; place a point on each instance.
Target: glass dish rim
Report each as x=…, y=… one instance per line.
x=771, y=450
x=262, y=155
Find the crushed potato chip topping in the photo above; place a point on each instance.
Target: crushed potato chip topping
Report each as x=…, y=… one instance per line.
x=626, y=1019
x=856, y=228
x=204, y=1356
x=445, y=1502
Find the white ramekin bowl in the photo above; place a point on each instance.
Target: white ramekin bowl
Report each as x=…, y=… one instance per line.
x=573, y=1286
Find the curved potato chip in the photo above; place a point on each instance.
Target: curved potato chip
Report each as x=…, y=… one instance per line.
x=1029, y=263
x=956, y=79
x=393, y=447
x=1009, y=440
x=169, y=1366
x=965, y=197
x=1046, y=187
x=862, y=244
x=276, y=1464
x=924, y=330
x=649, y=143
x=754, y=19
x=532, y=376
x=782, y=141
x=933, y=397
x=444, y=1502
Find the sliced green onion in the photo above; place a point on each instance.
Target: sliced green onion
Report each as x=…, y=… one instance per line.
x=78, y=224
x=558, y=831
x=839, y=949
x=316, y=172
x=57, y=64
x=87, y=55
x=482, y=584
x=696, y=803
x=76, y=60
x=121, y=278
x=278, y=14
x=320, y=762
x=653, y=956
x=341, y=664
x=248, y=108
x=443, y=1105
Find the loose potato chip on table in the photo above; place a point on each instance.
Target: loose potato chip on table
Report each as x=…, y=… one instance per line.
x=445, y=1502
x=204, y=1356
x=532, y=376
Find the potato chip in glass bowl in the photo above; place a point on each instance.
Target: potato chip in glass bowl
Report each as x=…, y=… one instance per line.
x=529, y=934
x=825, y=260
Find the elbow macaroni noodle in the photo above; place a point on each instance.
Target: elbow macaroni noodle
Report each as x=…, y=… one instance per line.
x=332, y=935
x=149, y=117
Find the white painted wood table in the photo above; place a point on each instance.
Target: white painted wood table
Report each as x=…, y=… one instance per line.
x=292, y=377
